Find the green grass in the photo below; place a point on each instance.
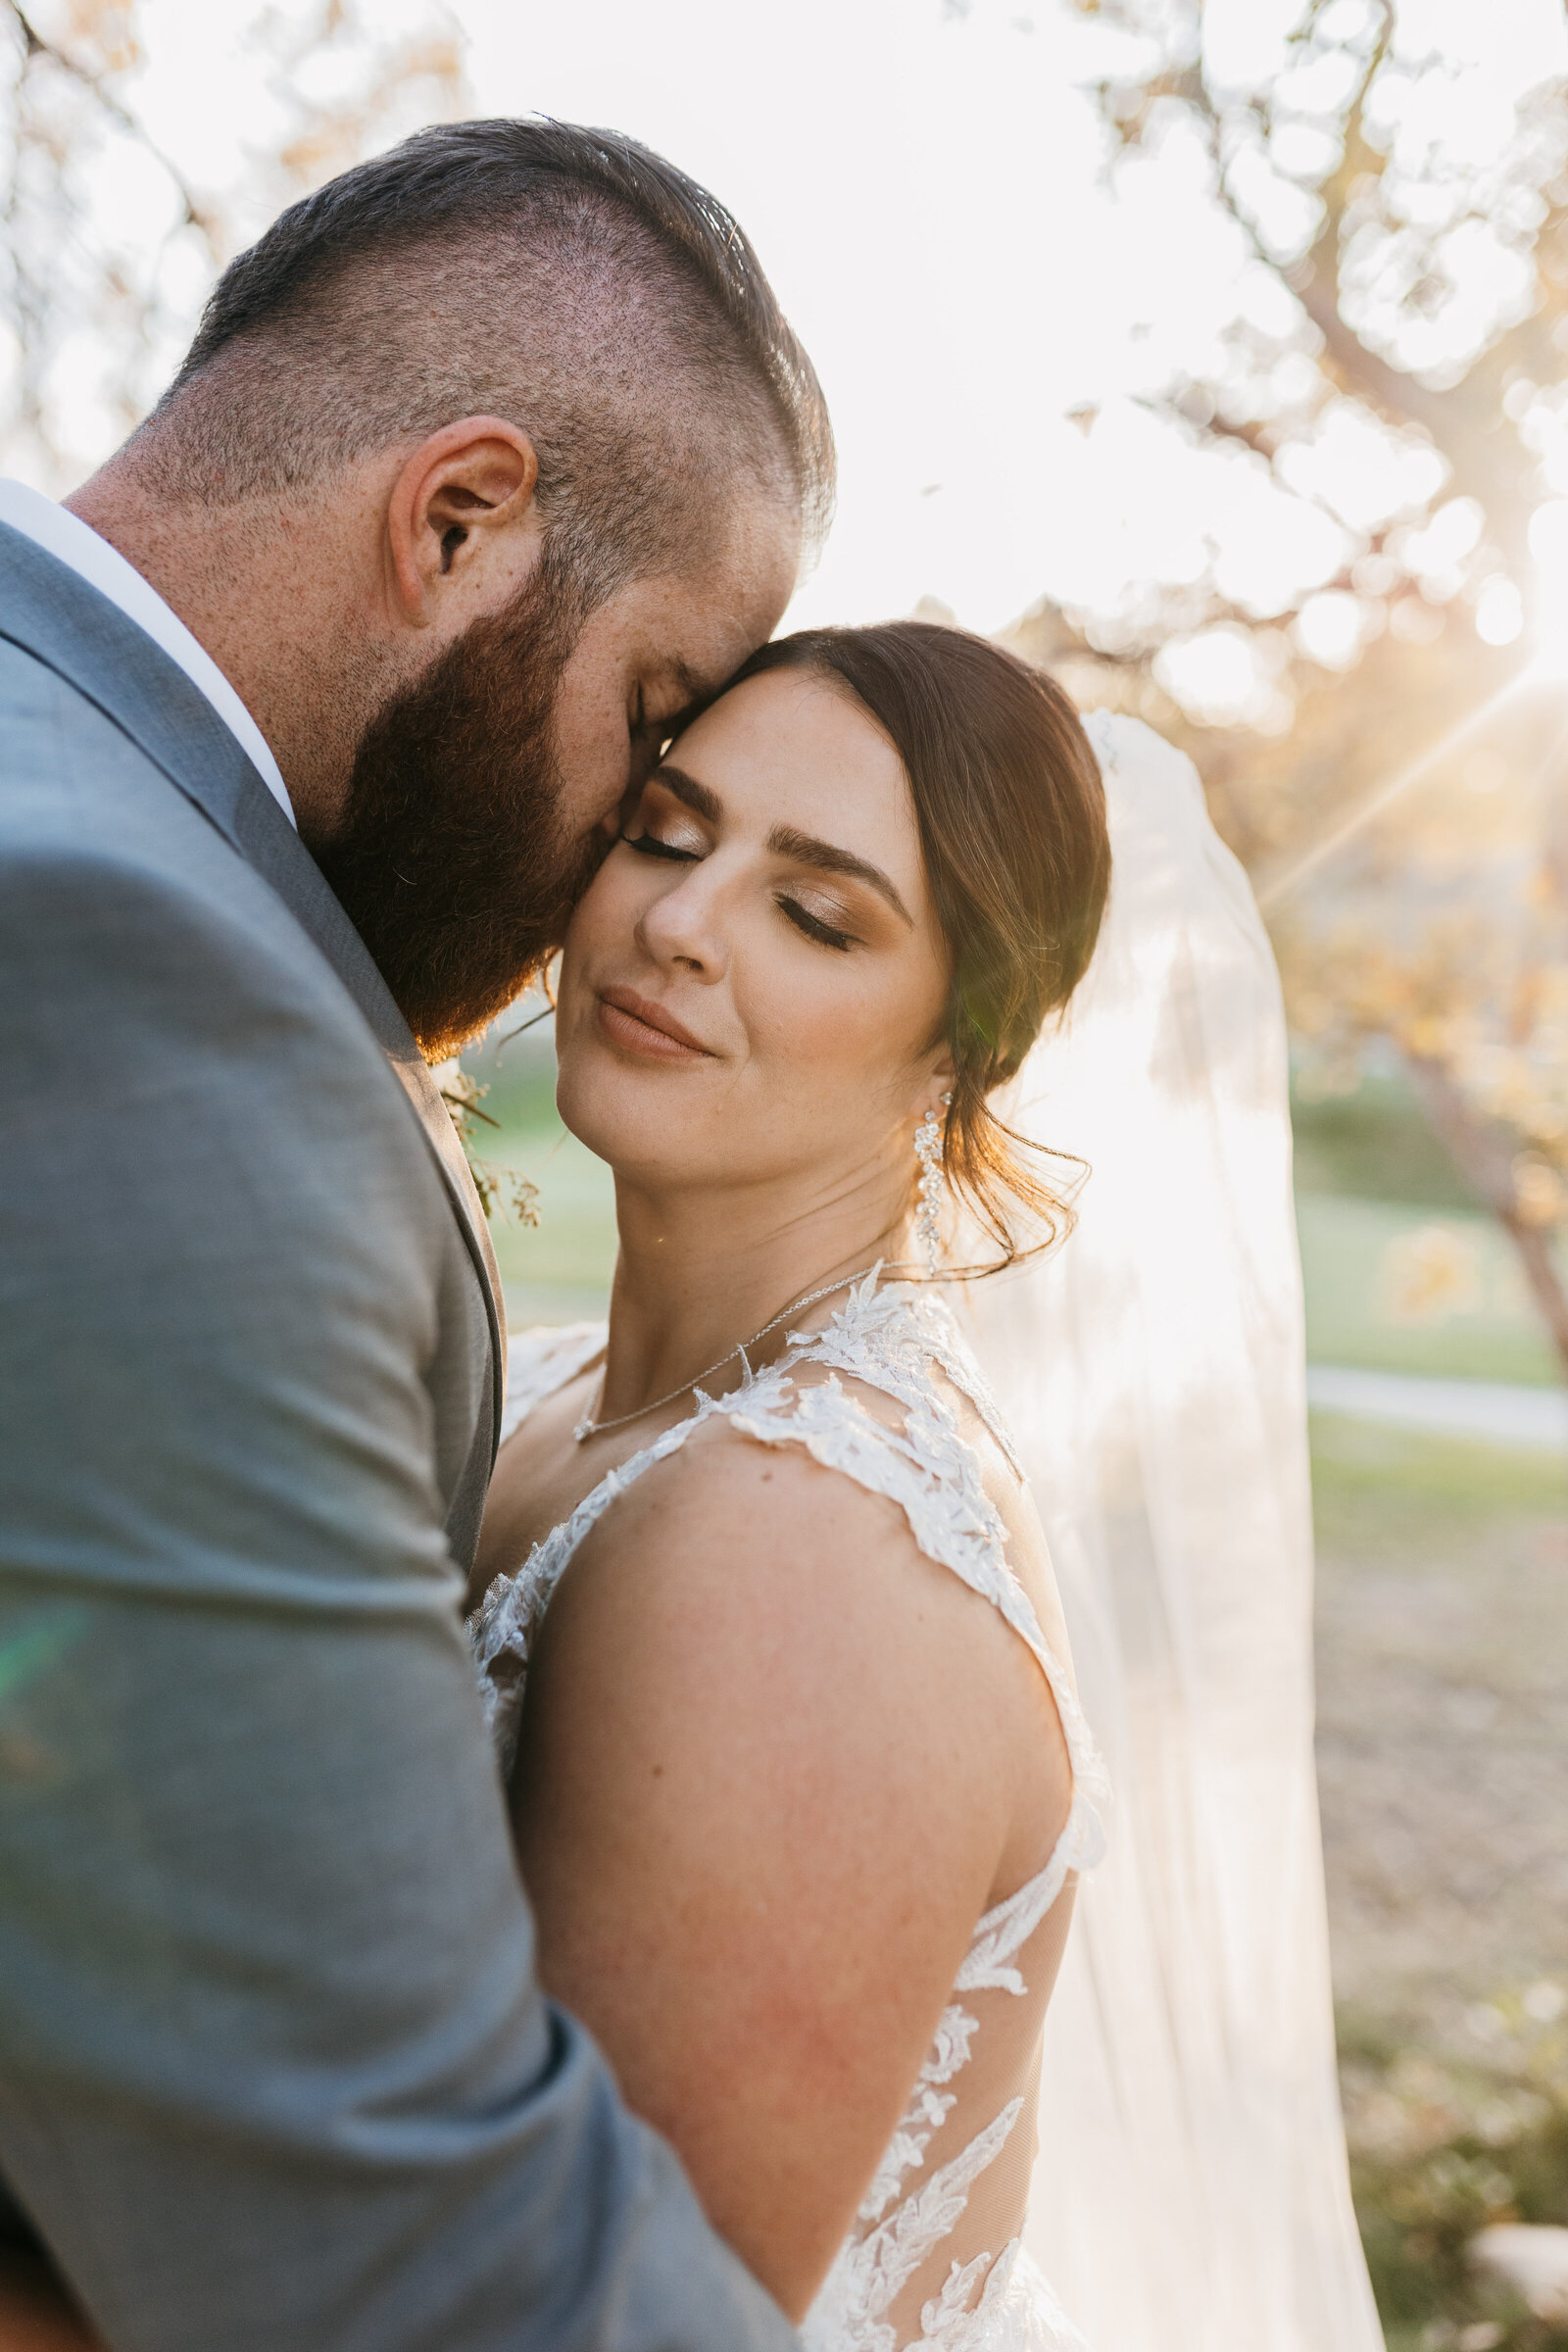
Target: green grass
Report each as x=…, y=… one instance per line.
x=1440, y=2148
x=520, y=1074
x=1374, y=1485
x=558, y=1271
x=1364, y=1465
x=1449, y=2127
x=1374, y=1144
x=1370, y=1176
x=1351, y=1259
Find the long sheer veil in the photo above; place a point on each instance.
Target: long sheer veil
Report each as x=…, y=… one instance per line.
x=1191, y=2195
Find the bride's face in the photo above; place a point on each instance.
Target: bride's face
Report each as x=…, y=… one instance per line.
x=752, y=985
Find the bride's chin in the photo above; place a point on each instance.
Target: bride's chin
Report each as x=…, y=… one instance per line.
x=622, y=1116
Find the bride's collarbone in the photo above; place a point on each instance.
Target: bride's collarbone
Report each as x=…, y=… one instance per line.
x=542, y=1473
x=540, y=1477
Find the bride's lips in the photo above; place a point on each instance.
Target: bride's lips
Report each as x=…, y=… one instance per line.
x=640, y=1026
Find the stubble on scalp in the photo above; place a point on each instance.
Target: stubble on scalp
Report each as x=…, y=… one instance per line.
x=574, y=323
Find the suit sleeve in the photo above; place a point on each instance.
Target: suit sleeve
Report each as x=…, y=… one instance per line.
x=274, y=2069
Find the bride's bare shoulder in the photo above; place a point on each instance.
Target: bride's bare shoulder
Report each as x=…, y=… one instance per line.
x=742, y=1500
x=765, y=1789
x=760, y=1572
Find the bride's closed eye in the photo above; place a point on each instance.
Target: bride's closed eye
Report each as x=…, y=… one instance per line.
x=812, y=926
x=648, y=844
x=827, y=935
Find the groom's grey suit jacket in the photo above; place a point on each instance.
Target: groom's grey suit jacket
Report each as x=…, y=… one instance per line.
x=275, y=2067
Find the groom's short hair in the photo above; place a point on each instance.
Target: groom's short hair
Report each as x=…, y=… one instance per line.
x=566, y=279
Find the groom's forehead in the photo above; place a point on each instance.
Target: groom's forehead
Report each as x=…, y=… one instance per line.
x=689, y=634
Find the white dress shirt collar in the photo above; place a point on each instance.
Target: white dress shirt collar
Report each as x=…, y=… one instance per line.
x=69, y=539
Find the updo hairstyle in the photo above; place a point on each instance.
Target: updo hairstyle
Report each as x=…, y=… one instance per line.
x=1011, y=813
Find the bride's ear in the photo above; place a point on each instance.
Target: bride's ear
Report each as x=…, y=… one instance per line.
x=937, y=1092
x=462, y=530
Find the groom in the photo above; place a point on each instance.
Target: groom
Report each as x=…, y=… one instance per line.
x=488, y=461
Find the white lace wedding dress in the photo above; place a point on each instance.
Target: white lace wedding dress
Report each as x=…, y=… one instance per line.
x=936, y=2256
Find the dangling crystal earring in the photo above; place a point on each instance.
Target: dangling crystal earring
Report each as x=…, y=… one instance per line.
x=928, y=1151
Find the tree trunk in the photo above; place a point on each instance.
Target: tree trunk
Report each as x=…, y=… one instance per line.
x=1486, y=1164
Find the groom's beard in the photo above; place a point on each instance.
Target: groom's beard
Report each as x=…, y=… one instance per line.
x=452, y=863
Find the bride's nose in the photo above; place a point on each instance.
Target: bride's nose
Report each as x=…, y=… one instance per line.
x=683, y=927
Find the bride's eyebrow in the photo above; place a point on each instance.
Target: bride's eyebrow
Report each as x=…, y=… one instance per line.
x=807, y=849
x=698, y=798
x=784, y=841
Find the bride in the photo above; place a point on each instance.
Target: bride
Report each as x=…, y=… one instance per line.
x=765, y=1621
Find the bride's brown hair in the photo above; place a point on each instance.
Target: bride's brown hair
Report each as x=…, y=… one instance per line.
x=1011, y=813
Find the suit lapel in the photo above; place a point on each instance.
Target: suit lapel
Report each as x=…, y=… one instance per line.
x=52, y=613
x=270, y=843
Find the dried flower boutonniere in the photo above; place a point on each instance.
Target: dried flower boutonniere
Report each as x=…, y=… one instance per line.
x=463, y=1096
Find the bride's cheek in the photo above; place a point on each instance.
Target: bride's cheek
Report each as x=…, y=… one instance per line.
x=606, y=916
x=823, y=1046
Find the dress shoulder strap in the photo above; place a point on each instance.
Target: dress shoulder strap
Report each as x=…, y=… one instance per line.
x=892, y=1339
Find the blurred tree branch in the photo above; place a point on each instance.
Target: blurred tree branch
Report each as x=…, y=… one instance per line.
x=1483, y=1160
x=96, y=309
x=96, y=80
x=1442, y=928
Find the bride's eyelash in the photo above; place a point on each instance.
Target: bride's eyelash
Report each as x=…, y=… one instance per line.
x=814, y=926
x=648, y=844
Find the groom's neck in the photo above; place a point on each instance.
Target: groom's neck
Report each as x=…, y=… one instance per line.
x=295, y=647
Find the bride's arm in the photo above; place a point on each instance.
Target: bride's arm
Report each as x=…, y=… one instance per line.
x=769, y=1773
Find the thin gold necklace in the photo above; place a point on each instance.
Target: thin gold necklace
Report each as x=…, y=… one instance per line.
x=588, y=1427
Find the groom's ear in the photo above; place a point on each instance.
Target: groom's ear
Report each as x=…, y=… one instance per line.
x=462, y=530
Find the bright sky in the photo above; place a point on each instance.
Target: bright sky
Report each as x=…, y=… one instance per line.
x=922, y=191
x=924, y=180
